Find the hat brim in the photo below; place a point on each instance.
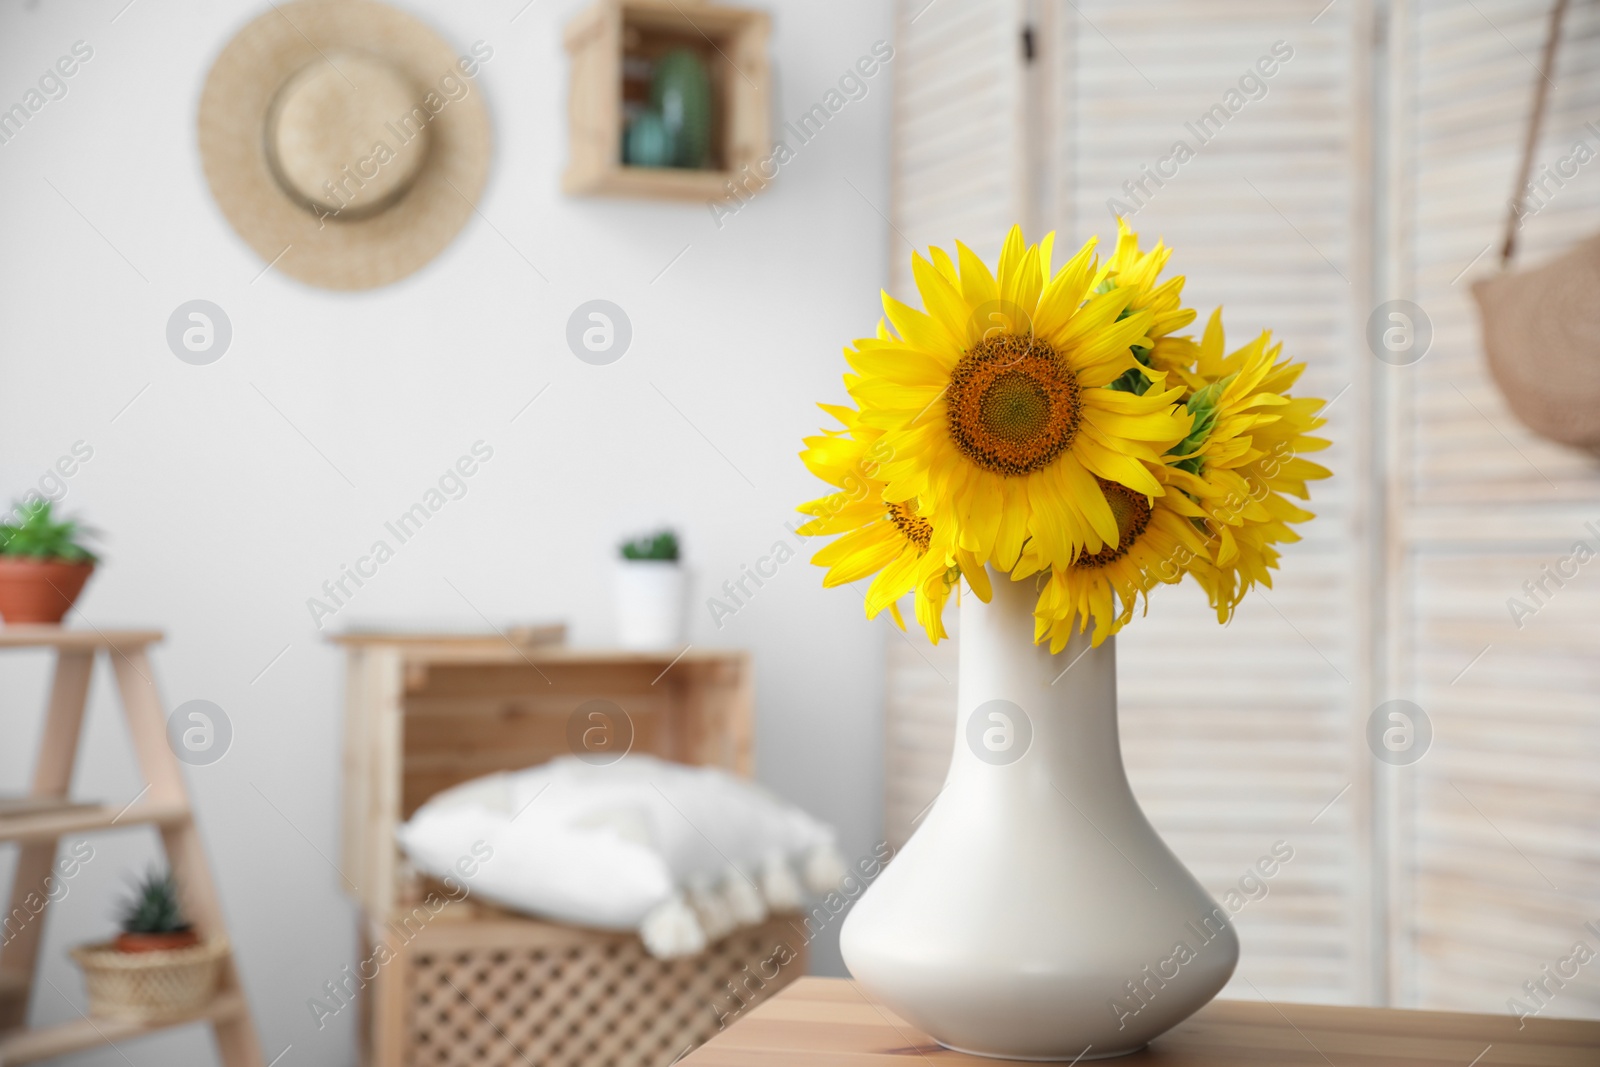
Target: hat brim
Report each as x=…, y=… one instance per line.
x=334, y=252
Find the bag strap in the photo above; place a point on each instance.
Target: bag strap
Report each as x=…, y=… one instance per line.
x=1541, y=97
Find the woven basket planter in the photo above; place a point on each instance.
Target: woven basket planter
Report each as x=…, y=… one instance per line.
x=149, y=987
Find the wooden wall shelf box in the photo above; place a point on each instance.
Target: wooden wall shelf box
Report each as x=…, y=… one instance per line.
x=479, y=985
x=732, y=42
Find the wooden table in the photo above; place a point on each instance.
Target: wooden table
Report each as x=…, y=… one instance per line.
x=828, y=1022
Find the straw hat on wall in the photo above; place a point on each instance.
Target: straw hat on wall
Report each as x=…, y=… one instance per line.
x=344, y=140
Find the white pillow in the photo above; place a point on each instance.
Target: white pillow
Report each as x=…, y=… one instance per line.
x=680, y=854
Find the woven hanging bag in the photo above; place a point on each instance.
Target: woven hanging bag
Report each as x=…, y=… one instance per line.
x=1541, y=327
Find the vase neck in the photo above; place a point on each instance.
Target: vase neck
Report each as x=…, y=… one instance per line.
x=1065, y=704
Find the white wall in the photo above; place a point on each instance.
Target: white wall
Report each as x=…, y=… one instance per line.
x=221, y=520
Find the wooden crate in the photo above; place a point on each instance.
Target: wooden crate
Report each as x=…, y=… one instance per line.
x=732, y=42
x=501, y=991
x=427, y=711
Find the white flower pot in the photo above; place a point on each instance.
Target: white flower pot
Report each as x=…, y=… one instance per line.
x=650, y=604
x=1035, y=914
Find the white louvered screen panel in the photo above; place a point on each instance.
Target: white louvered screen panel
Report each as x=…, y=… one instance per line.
x=1237, y=738
x=1507, y=801
x=1505, y=830
x=956, y=139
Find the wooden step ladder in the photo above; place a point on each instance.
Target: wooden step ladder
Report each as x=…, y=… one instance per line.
x=163, y=803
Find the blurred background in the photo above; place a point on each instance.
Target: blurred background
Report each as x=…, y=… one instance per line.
x=1373, y=164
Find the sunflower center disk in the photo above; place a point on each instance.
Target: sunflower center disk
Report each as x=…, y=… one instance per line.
x=917, y=530
x=1013, y=405
x=1132, y=512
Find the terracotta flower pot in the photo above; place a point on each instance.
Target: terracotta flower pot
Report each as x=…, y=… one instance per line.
x=156, y=942
x=39, y=590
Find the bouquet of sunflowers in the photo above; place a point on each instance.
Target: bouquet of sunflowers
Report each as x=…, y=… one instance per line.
x=1053, y=425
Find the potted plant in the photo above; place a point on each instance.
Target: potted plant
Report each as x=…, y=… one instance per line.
x=43, y=567
x=158, y=967
x=153, y=920
x=650, y=591
x=1044, y=445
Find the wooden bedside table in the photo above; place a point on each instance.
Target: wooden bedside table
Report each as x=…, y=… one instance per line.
x=828, y=1022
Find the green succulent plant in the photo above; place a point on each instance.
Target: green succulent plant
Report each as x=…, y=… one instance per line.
x=658, y=546
x=34, y=533
x=154, y=907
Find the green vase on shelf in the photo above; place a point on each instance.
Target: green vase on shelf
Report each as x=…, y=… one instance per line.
x=680, y=92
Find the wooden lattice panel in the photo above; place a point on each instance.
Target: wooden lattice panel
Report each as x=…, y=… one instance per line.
x=578, y=998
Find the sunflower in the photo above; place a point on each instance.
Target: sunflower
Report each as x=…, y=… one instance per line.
x=1156, y=537
x=1130, y=268
x=1054, y=425
x=992, y=407
x=1243, y=461
x=890, y=539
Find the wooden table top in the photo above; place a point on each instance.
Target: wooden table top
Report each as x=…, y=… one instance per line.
x=828, y=1022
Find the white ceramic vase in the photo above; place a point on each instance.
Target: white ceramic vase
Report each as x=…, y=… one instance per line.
x=650, y=604
x=1035, y=914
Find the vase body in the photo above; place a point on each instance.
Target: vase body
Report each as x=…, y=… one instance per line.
x=650, y=604
x=1035, y=914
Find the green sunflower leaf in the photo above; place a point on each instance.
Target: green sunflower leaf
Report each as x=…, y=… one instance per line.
x=1133, y=380
x=1203, y=406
